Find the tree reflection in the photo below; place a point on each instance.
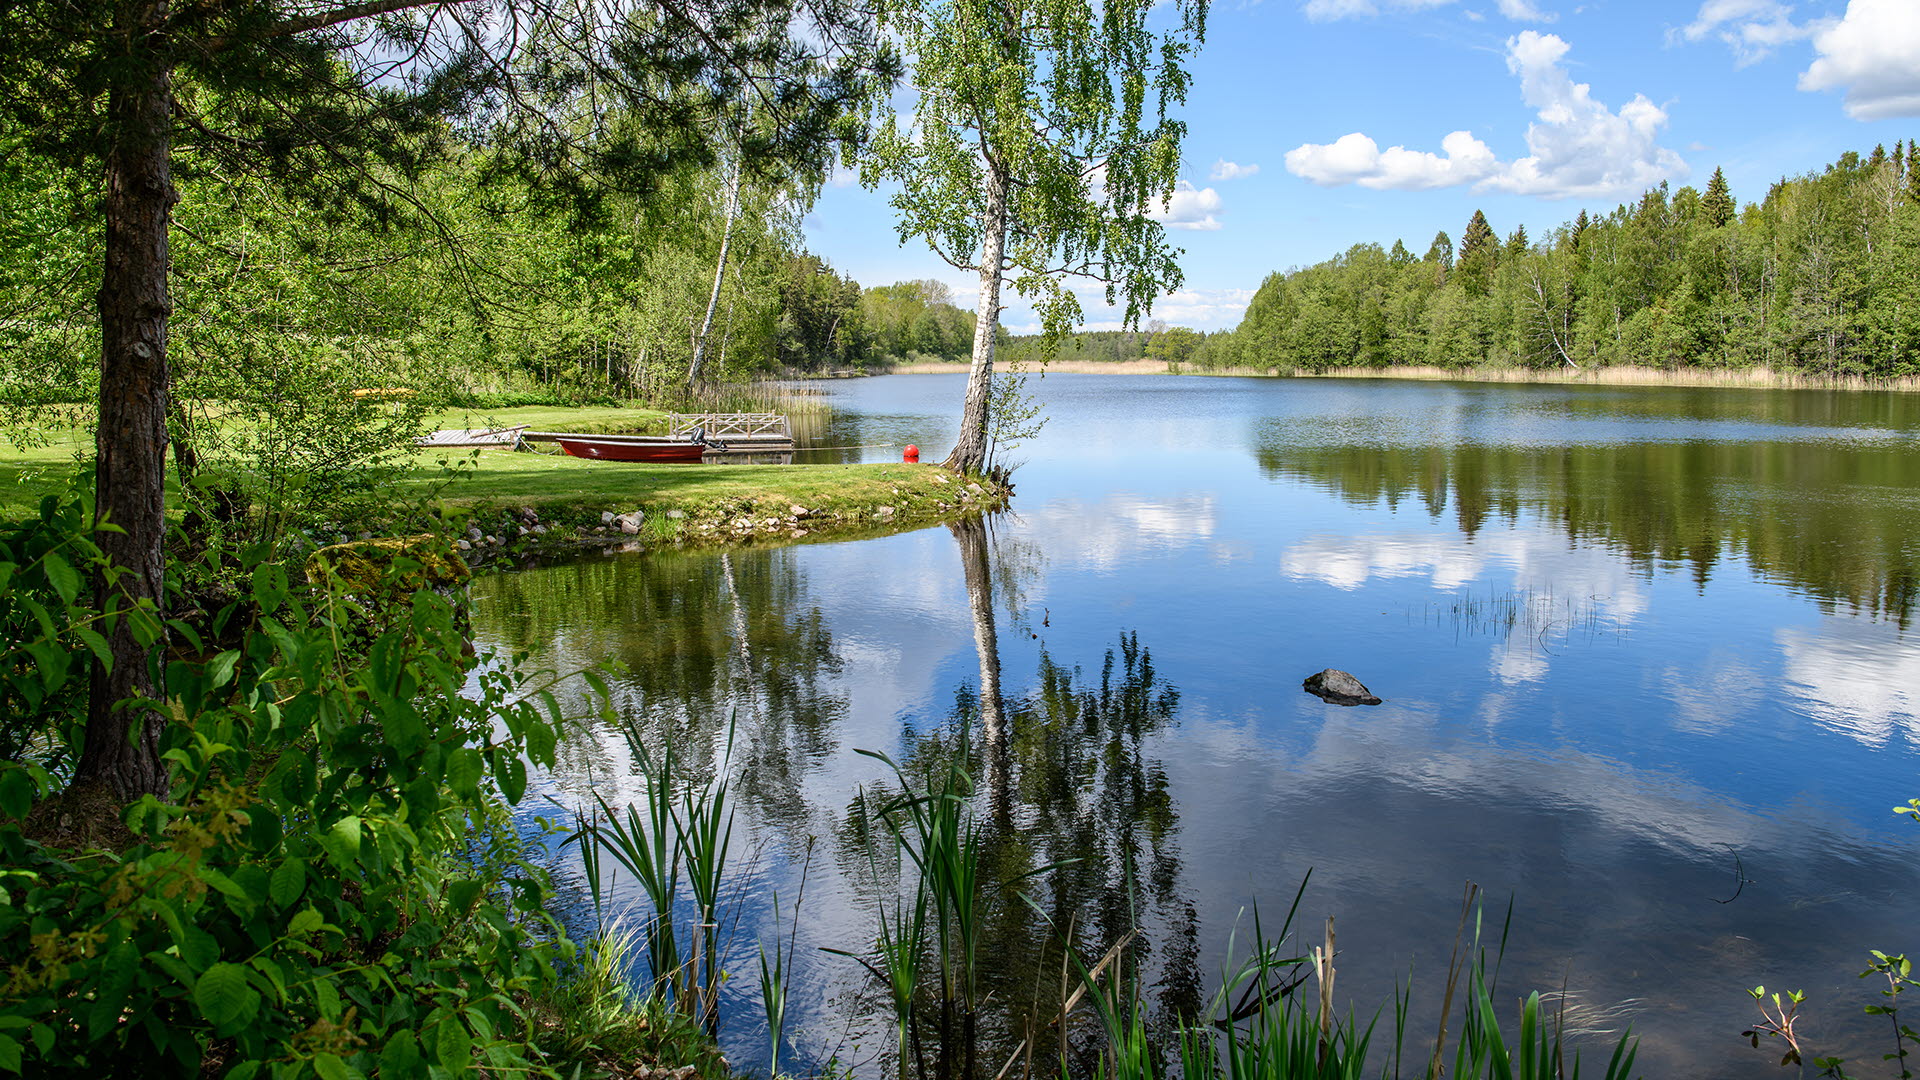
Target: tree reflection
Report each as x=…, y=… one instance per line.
x=1078, y=840
x=697, y=646
x=1795, y=511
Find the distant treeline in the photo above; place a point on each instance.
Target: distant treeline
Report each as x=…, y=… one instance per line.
x=1822, y=277
x=829, y=321
x=1157, y=341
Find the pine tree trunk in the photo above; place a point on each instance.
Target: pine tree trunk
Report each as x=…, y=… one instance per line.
x=122, y=747
x=970, y=451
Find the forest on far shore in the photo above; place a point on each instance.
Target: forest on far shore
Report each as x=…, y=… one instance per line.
x=1821, y=277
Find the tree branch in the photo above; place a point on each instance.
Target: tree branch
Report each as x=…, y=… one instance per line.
x=336, y=16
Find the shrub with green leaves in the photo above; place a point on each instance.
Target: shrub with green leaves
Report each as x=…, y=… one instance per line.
x=311, y=898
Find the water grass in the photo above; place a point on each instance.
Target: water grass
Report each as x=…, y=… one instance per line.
x=1274, y=1016
x=680, y=828
x=1753, y=378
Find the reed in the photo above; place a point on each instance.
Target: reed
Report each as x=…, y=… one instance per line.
x=1761, y=378
x=936, y=832
x=678, y=828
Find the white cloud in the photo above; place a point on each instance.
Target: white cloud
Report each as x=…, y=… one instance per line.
x=1227, y=170
x=1577, y=146
x=1329, y=10
x=1189, y=208
x=1751, y=28
x=1357, y=159
x=1874, y=51
x=1524, y=11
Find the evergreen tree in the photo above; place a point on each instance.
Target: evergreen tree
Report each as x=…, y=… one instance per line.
x=1478, y=238
x=1479, y=252
x=1440, y=252
x=1913, y=170
x=1581, y=224
x=1718, y=202
x=1400, y=256
x=1517, y=243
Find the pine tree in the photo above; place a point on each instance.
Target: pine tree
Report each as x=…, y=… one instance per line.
x=1718, y=202
x=1478, y=237
x=1913, y=170
x=1879, y=155
x=1479, y=252
x=1400, y=256
x=1580, y=226
x=1517, y=243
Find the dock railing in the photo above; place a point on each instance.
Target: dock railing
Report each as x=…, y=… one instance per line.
x=769, y=427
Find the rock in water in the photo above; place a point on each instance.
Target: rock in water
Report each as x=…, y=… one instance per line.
x=1339, y=688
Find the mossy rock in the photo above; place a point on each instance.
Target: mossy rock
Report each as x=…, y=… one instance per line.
x=388, y=566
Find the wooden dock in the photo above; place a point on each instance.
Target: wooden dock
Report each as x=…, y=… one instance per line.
x=743, y=433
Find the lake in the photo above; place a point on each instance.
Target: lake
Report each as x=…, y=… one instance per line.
x=1647, y=660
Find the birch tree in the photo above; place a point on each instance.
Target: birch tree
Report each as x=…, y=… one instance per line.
x=1038, y=142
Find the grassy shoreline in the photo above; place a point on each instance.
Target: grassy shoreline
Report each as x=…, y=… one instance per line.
x=1760, y=378
x=504, y=494
x=519, y=501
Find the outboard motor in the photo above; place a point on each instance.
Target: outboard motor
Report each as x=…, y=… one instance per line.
x=699, y=435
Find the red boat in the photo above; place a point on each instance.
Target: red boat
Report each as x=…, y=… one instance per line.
x=632, y=447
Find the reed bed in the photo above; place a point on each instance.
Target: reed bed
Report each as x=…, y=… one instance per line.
x=1274, y=1016
x=1756, y=378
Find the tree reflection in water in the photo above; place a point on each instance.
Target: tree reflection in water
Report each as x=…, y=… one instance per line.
x=1070, y=785
x=1078, y=839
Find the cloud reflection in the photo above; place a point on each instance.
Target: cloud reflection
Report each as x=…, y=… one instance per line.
x=1855, y=677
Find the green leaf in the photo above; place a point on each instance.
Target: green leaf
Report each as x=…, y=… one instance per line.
x=461, y=895
x=17, y=792
x=330, y=1067
x=304, y=922
x=220, y=668
x=63, y=577
x=289, y=880
x=401, y=1057
x=452, y=1046
x=224, y=995
x=97, y=643
x=512, y=774
x=227, y=887
x=464, y=767
x=9, y=1054
x=343, y=841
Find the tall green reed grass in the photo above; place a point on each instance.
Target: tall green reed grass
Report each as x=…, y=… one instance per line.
x=681, y=829
x=1274, y=1015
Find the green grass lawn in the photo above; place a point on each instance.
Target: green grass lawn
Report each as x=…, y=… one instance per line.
x=532, y=479
x=28, y=475
x=592, y=420
x=509, y=478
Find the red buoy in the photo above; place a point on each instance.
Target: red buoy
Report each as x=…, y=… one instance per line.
x=912, y=455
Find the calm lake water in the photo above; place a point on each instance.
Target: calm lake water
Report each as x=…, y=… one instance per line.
x=1647, y=658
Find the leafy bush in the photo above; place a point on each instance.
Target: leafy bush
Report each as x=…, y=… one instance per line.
x=330, y=890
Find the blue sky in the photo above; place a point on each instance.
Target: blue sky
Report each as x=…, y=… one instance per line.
x=1317, y=124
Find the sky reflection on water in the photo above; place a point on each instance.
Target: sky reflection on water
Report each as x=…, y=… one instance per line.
x=1636, y=646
